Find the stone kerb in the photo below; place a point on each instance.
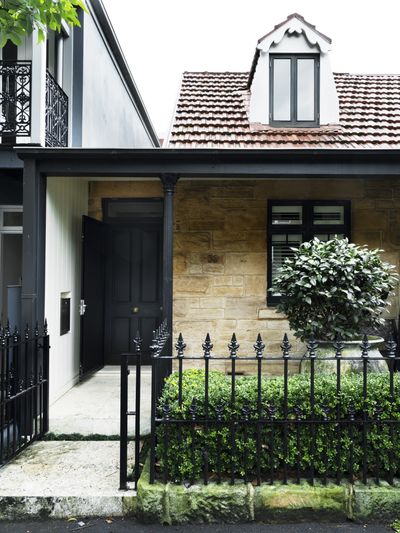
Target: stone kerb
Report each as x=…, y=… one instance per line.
x=224, y=503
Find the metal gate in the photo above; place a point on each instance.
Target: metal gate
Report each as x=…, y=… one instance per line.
x=160, y=337
x=24, y=389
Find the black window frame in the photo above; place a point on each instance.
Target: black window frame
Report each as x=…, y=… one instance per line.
x=293, y=122
x=307, y=229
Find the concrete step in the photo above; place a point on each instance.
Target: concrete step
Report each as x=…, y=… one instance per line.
x=62, y=479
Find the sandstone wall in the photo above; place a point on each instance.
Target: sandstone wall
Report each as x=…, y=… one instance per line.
x=220, y=251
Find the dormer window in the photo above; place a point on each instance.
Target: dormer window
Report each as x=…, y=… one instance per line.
x=294, y=90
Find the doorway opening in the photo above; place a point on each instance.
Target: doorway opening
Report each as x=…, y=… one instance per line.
x=121, y=281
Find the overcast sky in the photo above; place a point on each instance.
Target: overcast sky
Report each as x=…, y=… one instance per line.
x=163, y=38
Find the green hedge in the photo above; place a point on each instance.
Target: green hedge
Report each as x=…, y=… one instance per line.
x=182, y=449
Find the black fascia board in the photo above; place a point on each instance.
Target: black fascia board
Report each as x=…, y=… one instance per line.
x=113, y=42
x=215, y=163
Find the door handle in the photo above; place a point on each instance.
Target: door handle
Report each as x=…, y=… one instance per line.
x=135, y=310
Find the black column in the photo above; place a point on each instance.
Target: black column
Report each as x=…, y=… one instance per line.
x=33, y=245
x=169, y=182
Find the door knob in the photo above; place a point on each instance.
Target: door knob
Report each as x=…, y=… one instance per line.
x=135, y=310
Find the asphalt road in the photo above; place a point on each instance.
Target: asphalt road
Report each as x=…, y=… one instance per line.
x=124, y=526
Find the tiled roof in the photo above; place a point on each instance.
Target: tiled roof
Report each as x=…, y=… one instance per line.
x=212, y=112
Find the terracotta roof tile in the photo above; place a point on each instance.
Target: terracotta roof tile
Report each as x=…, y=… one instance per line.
x=212, y=112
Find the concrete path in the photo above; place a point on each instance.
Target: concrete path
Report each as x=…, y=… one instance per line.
x=59, y=479
x=92, y=406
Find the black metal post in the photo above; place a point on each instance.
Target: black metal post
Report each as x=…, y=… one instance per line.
x=153, y=440
x=123, y=443
x=33, y=244
x=138, y=353
x=46, y=357
x=169, y=181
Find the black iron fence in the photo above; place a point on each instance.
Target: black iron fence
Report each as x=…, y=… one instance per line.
x=24, y=390
x=15, y=98
x=160, y=337
x=330, y=424
x=56, y=114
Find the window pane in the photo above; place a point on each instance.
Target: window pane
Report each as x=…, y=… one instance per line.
x=328, y=214
x=287, y=214
x=328, y=236
x=281, y=89
x=305, y=89
x=12, y=218
x=281, y=248
x=131, y=209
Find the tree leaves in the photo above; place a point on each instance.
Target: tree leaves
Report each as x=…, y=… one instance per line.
x=19, y=18
x=333, y=287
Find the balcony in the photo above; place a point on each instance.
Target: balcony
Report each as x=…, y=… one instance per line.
x=16, y=105
x=56, y=114
x=15, y=100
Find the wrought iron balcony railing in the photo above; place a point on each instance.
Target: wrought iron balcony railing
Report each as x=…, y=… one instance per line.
x=15, y=99
x=56, y=114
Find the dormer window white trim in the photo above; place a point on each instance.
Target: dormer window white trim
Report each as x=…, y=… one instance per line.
x=293, y=37
x=294, y=90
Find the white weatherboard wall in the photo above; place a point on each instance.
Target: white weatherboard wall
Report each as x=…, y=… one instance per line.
x=67, y=201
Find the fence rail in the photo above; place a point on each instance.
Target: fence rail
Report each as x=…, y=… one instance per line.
x=327, y=426
x=24, y=389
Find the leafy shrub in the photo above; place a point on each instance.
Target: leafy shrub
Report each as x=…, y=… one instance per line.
x=185, y=446
x=333, y=287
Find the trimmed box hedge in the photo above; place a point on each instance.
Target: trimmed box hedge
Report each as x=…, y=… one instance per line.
x=334, y=449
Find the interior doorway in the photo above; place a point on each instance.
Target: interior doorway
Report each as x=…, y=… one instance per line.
x=122, y=280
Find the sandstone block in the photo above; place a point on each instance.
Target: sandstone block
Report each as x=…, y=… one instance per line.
x=246, y=263
x=255, y=285
x=227, y=291
x=192, y=241
x=190, y=284
x=211, y=302
x=233, y=190
x=222, y=280
x=270, y=313
x=241, y=308
x=204, y=314
x=207, y=223
x=180, y=263
x=182, y=306
x=213, y=269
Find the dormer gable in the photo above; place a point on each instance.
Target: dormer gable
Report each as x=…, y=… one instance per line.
x=291, y=81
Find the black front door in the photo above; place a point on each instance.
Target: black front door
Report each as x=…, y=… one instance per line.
x=133, y=287
x=94, y=238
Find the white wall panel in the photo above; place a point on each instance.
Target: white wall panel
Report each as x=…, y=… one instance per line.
x=110, y=117
x=67, y=201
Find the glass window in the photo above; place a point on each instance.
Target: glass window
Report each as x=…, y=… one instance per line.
x=287, y=214
x=282, y=84
x=12, y=218
x=282, y=247
x=293, y=223
x=328, y=214
x=294, y=90
x=305, y=89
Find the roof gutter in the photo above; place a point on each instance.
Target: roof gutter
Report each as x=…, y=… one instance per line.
x=216, y=163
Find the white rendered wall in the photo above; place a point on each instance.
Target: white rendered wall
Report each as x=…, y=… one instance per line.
x=110, y=118
x=67, y=201
x=293, y=44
